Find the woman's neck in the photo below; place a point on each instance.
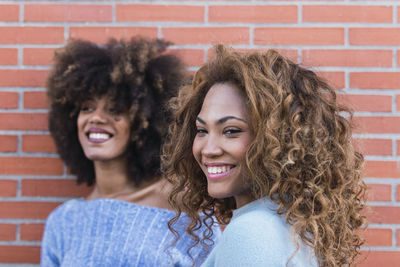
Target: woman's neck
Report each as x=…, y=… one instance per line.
x=112, y=179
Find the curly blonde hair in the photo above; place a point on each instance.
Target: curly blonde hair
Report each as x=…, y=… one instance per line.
x=302, y=156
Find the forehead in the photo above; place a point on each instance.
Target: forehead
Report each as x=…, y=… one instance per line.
x=102, y=99
x=223, y=99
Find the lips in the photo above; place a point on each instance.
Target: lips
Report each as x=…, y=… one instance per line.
x=98, y=135
x=217, y=171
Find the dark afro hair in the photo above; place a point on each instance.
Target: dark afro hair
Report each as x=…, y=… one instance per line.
x=136, y=76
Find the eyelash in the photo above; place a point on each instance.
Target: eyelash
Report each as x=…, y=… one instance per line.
x=89, y=108
x=232, y=131
x=86, y=108
x=200, y=131
x=229, y=131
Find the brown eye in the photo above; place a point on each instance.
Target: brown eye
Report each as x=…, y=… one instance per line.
x=200, y=131
x=232, y=131
x=113, y=111
x=87, y=108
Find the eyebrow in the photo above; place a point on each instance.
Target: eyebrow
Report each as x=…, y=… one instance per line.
x=222, y=120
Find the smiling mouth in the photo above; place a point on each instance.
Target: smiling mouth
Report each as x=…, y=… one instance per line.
x=98, y=136
x=216, y=172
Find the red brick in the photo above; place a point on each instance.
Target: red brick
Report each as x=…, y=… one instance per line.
x=181, y=13
x=253, y=14
x=299, y=36
x=31, y=231
x=38, y=143
x=398, y=238
x=370, y=146
x=345, y=13
x=398, y=11
x=191, y=57
x=374, y=36
x=398, y=200
x=379, y=258
x=371, y=103
x=31, y=35
x=30, y=165
x=53, y=188
x=102, y=34
x=382, y=169
x=379, y=192
x=377, y=124
x=348, y=58
x=336, y=78
x=7, y=232
x=26, y=210
x=398, y=58
x=377, y=237
x=9, y=13
x=67, y=13
x=8, y=188
x=23, y=121
x=19, y=254
x=375, y=80
x=8, y=56
x=8, y=143
x=398, y=148
x=23, y=78
x=383, y=214
x=8, y=100
x=398, y=102
x=207, y=35
x=38, y=56
x=35, y=100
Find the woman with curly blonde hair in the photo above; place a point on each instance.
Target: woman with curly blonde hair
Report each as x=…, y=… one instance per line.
x=262, y=144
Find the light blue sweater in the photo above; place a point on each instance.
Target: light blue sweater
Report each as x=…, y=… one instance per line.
x=257, y=236
x=109, y=232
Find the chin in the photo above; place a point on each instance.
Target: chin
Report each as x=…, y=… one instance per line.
x=96, y=157
x=218, y=194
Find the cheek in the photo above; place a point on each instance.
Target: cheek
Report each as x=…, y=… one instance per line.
x=79, y=122
x=241, y=148
x=126, y=138
x=124, y=129
x=80, y=126
x=196, y=149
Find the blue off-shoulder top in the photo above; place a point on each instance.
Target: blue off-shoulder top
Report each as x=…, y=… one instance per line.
x=110, y=232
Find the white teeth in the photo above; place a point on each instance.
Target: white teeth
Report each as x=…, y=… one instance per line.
x=101, y=136
x=215, y=170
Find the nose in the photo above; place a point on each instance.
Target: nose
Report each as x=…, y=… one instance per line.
x=212, y=147
x=98, y=116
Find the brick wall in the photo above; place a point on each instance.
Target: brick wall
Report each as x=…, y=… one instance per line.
x=355, y=44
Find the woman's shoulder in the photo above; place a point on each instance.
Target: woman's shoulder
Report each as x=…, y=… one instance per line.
x=259, y=217
x=258, y=234
x=102, y=208
x=65, y=209
x=256, y=227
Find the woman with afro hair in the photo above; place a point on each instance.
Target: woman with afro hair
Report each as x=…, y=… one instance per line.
x=108, y=121
x=260, y=143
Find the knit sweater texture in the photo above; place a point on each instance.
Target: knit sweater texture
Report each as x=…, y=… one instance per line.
x=109, y=232
x=257, y=236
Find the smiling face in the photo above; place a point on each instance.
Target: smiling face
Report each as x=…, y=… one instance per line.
x=223, y=137
x=103, y=133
